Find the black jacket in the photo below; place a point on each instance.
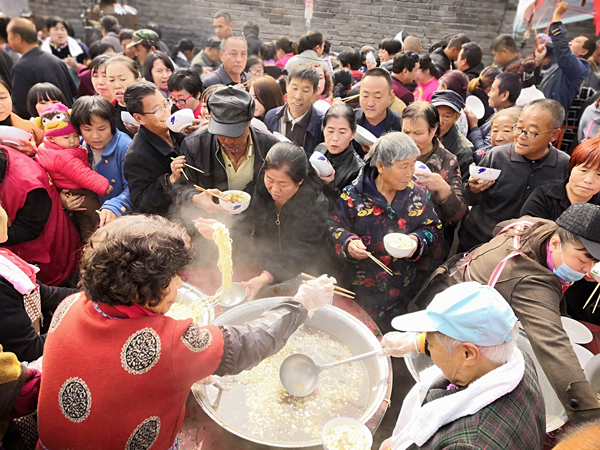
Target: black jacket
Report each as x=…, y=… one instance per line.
x=473, y=72
x=147, y=167
x=219, y=76
x=201, y=150
x=393, y=122
x=17, y=334
x=314, y=132
x=254, y=44
x=347, y=165
x=441, y=60
x=298, y=243
x=461, y=147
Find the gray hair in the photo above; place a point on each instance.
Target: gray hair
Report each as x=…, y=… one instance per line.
x=392, y=147
x=513, y=112
x=556, y=110
x=224, y=41
x=496, y=354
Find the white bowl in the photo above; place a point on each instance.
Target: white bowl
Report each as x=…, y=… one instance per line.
x=364, y=136
x=321, y=164
x=475, y=105
x=578, y=333
x=484, y=173
x=398, y=252
x=257, y=123
x=235, y=208
x=180, y=120
x=281, y=137
x=322, y=106
x=421, y=167
x=341, y=421
x=595, y=272
x=128, y=118
x=13, y=135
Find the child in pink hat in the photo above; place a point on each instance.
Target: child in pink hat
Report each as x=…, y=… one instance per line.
x=67, y=164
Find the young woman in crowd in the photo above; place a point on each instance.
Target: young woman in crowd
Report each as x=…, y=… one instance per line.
x=339, y=128
x=288, y=213
x=183, y=53
x=10, y=119
x=157, y=69
x=388, y=47
x=480, y=87
x=427, y=79
x=501, y=130
x=254, y=66
x=121, y=72
x=98, y=76
x=342, y=82
x=86, y=84
x=41, y=96
x=266, y=94
x=324, y=87
x=185, y=88
x=94, y=120
x=383, y=199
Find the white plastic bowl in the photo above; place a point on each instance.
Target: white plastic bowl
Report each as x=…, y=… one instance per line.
x=475, y=105
x=595, y=272
x=321, y=164
x=180, y=120
x=398, y=252
x=364, y=136
x=13, y=135
x=421, y=167
x=484, y=173
x=235, y=208
x=341, y=421
x=128, y=118
x=257, y=123
x=281, y=137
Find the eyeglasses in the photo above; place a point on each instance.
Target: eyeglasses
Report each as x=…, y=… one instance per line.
x=181, y=102
x=517, y=131
x=256, y=72
x=160, y=111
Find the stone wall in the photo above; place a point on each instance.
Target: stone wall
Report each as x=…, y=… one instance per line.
x=345, y=23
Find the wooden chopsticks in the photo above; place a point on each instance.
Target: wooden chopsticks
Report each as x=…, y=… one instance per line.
x=337, y=289
x=191, y=167
x=347, y=99
x=382, y=265
x=220, y=197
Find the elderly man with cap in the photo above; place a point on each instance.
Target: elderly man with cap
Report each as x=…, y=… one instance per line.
x=234, y=54
x=230, y=151
x=483, y=391
x=450, y=105
x=531, y=262
x=209, y=59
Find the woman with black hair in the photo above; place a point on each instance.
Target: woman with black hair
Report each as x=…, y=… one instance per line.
x=10, y=119
x=310, y=49
x=157, y=69
x=427, y=79
x=183, y=53
x=342, y=81
x=255, y=66
x=86, y=84
x=41, y=96
x=288, y=213
x=388, y=47
x=62, y=45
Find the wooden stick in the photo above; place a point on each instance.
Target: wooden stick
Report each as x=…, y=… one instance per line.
x=336, y=287
x=191, y=167
x=220, y=197
x=347, y=99
x=101, y=213
x=380, y=264
x=184, y=174
x=590, y=299
x=342, y=294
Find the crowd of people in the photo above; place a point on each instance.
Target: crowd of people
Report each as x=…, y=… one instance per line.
x=100, y=205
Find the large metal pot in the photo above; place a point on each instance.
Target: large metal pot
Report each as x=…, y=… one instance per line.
x=333, y=320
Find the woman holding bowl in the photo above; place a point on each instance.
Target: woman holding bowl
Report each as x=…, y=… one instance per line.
x=114, y=361
x=383, y=200
x=121, y=72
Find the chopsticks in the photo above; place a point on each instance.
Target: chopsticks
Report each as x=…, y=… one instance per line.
x=347, y=99
x=191, y=167
x=590, y=299
x=336, y=289
x=382, y=265
x=220, y=197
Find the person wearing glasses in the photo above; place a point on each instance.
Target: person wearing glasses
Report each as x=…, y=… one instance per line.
x=149, y=166
x=530, y=161
x=185, y=88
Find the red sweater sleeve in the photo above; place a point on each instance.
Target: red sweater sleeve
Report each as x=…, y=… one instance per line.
x=78, y=170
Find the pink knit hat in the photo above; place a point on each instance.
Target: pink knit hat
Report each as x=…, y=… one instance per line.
x=56, y=121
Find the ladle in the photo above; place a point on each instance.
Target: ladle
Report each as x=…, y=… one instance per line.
x=299, y=374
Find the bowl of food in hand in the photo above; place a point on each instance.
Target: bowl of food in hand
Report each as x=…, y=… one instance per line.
x=420, y=168
x=345, y=433
x=235, y=202
x=321, y=164
x=13, y=135
x=364, y=136
x=399, y=245
x=484, y=173
x=595, y=272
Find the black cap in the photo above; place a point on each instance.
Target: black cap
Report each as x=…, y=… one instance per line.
x=213, y=42
x=231, y=109
x=583, y=219
x=448, y=98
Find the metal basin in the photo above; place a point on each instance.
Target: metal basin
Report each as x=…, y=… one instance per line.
x=330, y=319
x=189, y=294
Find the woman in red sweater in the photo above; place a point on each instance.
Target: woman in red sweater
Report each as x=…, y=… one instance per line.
x=117, y=371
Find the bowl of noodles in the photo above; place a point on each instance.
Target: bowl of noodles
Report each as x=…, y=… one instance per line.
x=399, y=245
x=235, y=202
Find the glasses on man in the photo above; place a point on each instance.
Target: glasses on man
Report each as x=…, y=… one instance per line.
x=162, y=110
x=518, y=131
x=179, y=102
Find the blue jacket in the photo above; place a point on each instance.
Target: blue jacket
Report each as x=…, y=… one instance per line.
x=111, y=167
x=562, y=81
x=314, y=131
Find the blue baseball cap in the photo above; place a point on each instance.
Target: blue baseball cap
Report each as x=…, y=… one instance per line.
x=467, y=312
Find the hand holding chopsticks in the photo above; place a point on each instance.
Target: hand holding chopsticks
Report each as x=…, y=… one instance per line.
x=191, y=167
x=220, y=197
x=337, y=290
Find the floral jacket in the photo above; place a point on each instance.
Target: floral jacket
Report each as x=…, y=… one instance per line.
x=362, y=212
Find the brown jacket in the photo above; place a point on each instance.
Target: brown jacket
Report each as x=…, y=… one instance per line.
x=535, y=295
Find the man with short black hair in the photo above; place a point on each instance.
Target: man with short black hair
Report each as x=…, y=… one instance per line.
x=404, y=71
x=209, y=59
x=251, y=33
x=298, y=119
x=230, y=151
x=148, y=165
x=125, y=38
x=504, y=49
x=234, y=54
x=223, y=25
x=352, y=60
x=444, y=58
x=469, y=60
x=34, y=66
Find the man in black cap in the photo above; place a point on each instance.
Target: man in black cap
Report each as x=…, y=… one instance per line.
x=230, y=151
x=449, y=105
x=208, y=60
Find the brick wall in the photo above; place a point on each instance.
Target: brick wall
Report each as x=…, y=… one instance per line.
x=346, y=23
